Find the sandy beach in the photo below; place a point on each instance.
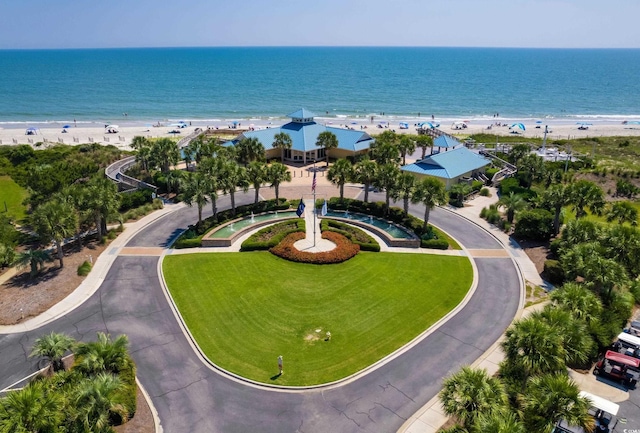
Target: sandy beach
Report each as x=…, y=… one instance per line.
x=51, y=133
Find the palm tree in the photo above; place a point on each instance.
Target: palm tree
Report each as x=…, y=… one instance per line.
x=431, y=193
x=584, y=194
x=257, y=174
x=55, y=221
x=32, y=409
x=175, y=179
x=276, y=174
x=535, y=347
x=385, y=153
x=250, y=149
x=340, y=173
x=365, y=171
x=556, y=197
x=102, y=200
x=458, y=192
x=97, y=401
x=577, y=342
x=103, y=355
x=530, y=168
x=195, y=192
x=138, y=142
x=34, y=259
x=387, y=179
x=470, y=392
x=210, y=167
x=165, y=153
x=581, y=302
x=406, y=146
x=498, y=421
x=623, y=212
x=423, y=142
x=512, y=203
x=405, y=188
x=282, y=141
x=327, y=140
x=232, y=176
x=553, y=397
x=53, y=347
x=7, y=254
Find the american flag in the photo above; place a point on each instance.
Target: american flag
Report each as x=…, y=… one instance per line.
x=313, y=185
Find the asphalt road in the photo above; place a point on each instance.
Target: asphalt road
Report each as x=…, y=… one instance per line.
x=190, y=396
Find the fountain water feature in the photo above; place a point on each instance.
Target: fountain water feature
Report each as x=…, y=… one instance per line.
x=237, y=226
x=231, y=229
x=391, y=229
x=253, y=219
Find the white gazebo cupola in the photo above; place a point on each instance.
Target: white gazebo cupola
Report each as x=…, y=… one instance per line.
x=302, y=116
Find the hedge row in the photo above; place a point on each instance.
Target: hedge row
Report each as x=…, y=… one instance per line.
x=271, y=236
x=436, y=244
x=354, y=234
x=344, y=250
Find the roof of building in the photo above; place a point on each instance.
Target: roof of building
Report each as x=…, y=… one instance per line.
x=448, y=165
x=302, y=113
x=446, y=141
x=305, y=135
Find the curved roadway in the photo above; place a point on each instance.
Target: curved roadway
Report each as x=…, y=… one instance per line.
x=192, y=397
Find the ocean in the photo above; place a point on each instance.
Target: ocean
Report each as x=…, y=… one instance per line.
x=222, y=84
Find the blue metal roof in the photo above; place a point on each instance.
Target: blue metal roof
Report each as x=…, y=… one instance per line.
x=448, y=165
x=305, y=135
x=302, y=113
x=446, y=141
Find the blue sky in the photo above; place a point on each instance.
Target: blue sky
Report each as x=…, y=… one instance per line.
x=469, y=23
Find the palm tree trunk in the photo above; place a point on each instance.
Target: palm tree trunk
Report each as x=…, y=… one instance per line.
x=406, y=204
x=99, y=227
x=427, y=210
x=199, y=214
x=214, y=207
x=60, y=252
x=556, y=221
x=257, y=193
x=277, y=187
x=232, y=196
x=386, y=201
x=341, y=191
x=366, y=192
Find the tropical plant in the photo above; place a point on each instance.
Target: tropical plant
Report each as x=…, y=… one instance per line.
x=458, y=192
x=53, y=347
x=365, y=172
x=387, y=179
x=431, y=193
x=582, y=303
x=97, y=400
x=249, y=149
x=406, y=146
x=35, y=259
x=196, y=190
x=512, y=203
x=257, y=174
x=55, y=221
x=404, y=188
x=584, y=194
x=103, y=355
x=282, y=141
x=102, y=201
x=232, y=176
x=498, y=421
x=34, y=408
x=555, y=198
x=470, y=392
x=553, y=397
x=276, y=174
x=327, y=140
x=7, y=254
x=530, y=169
x=623, y=212
x=424, y=142
x=340, y=173
x=164, y=153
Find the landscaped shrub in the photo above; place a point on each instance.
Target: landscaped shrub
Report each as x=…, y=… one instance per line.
x=437, y=244
x=553, y=272
x=490, y=172
x=131, y=200
x=491, y=214
x=535, y=224
x=345, y=249
x=354, y=234
x=484, y=192
x=188, y=243
x=84, y=269
x=271, y=236
x=477, y=185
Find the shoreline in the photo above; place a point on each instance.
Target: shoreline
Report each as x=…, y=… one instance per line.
x=93, y=131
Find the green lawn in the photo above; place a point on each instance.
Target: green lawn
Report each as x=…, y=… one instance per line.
x=12, y=194
x=245, y=309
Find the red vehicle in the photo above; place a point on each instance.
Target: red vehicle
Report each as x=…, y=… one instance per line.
x=619, y=367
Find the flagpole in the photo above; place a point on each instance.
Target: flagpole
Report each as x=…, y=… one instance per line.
x=314, y=205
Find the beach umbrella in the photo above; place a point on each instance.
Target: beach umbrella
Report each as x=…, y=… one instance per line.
x=538, y=121
x=518, y=125
x=583, y=123
x=66, y=127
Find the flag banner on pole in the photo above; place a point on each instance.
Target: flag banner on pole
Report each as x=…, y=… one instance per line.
x=300, y=209
x=323, y=212
x=313, y=185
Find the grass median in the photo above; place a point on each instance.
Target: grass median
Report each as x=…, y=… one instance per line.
x=246, y=309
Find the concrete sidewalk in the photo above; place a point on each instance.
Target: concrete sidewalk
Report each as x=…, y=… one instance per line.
x=95, y=278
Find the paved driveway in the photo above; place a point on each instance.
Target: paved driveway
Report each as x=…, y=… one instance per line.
x=192, y=397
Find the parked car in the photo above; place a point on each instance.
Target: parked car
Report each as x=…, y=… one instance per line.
x=603, y=412
x=633, y=329
x=619, y=367
x=627, y=344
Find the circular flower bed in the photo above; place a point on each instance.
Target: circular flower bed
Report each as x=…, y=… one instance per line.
x=344, y=250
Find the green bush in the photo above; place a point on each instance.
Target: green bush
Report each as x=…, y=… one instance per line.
x=188, y=243
x=508, y=185
x=436, y=244
x=535, y=224
x=271, y=236
x=84, y=269
x=131, y=200
x=553, y=272
x=477, y=185
x=354, y=234
x=128, y=395
x=484, y=192
x=490, y=172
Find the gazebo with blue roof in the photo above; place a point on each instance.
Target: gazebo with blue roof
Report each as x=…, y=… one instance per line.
x=304, y=132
